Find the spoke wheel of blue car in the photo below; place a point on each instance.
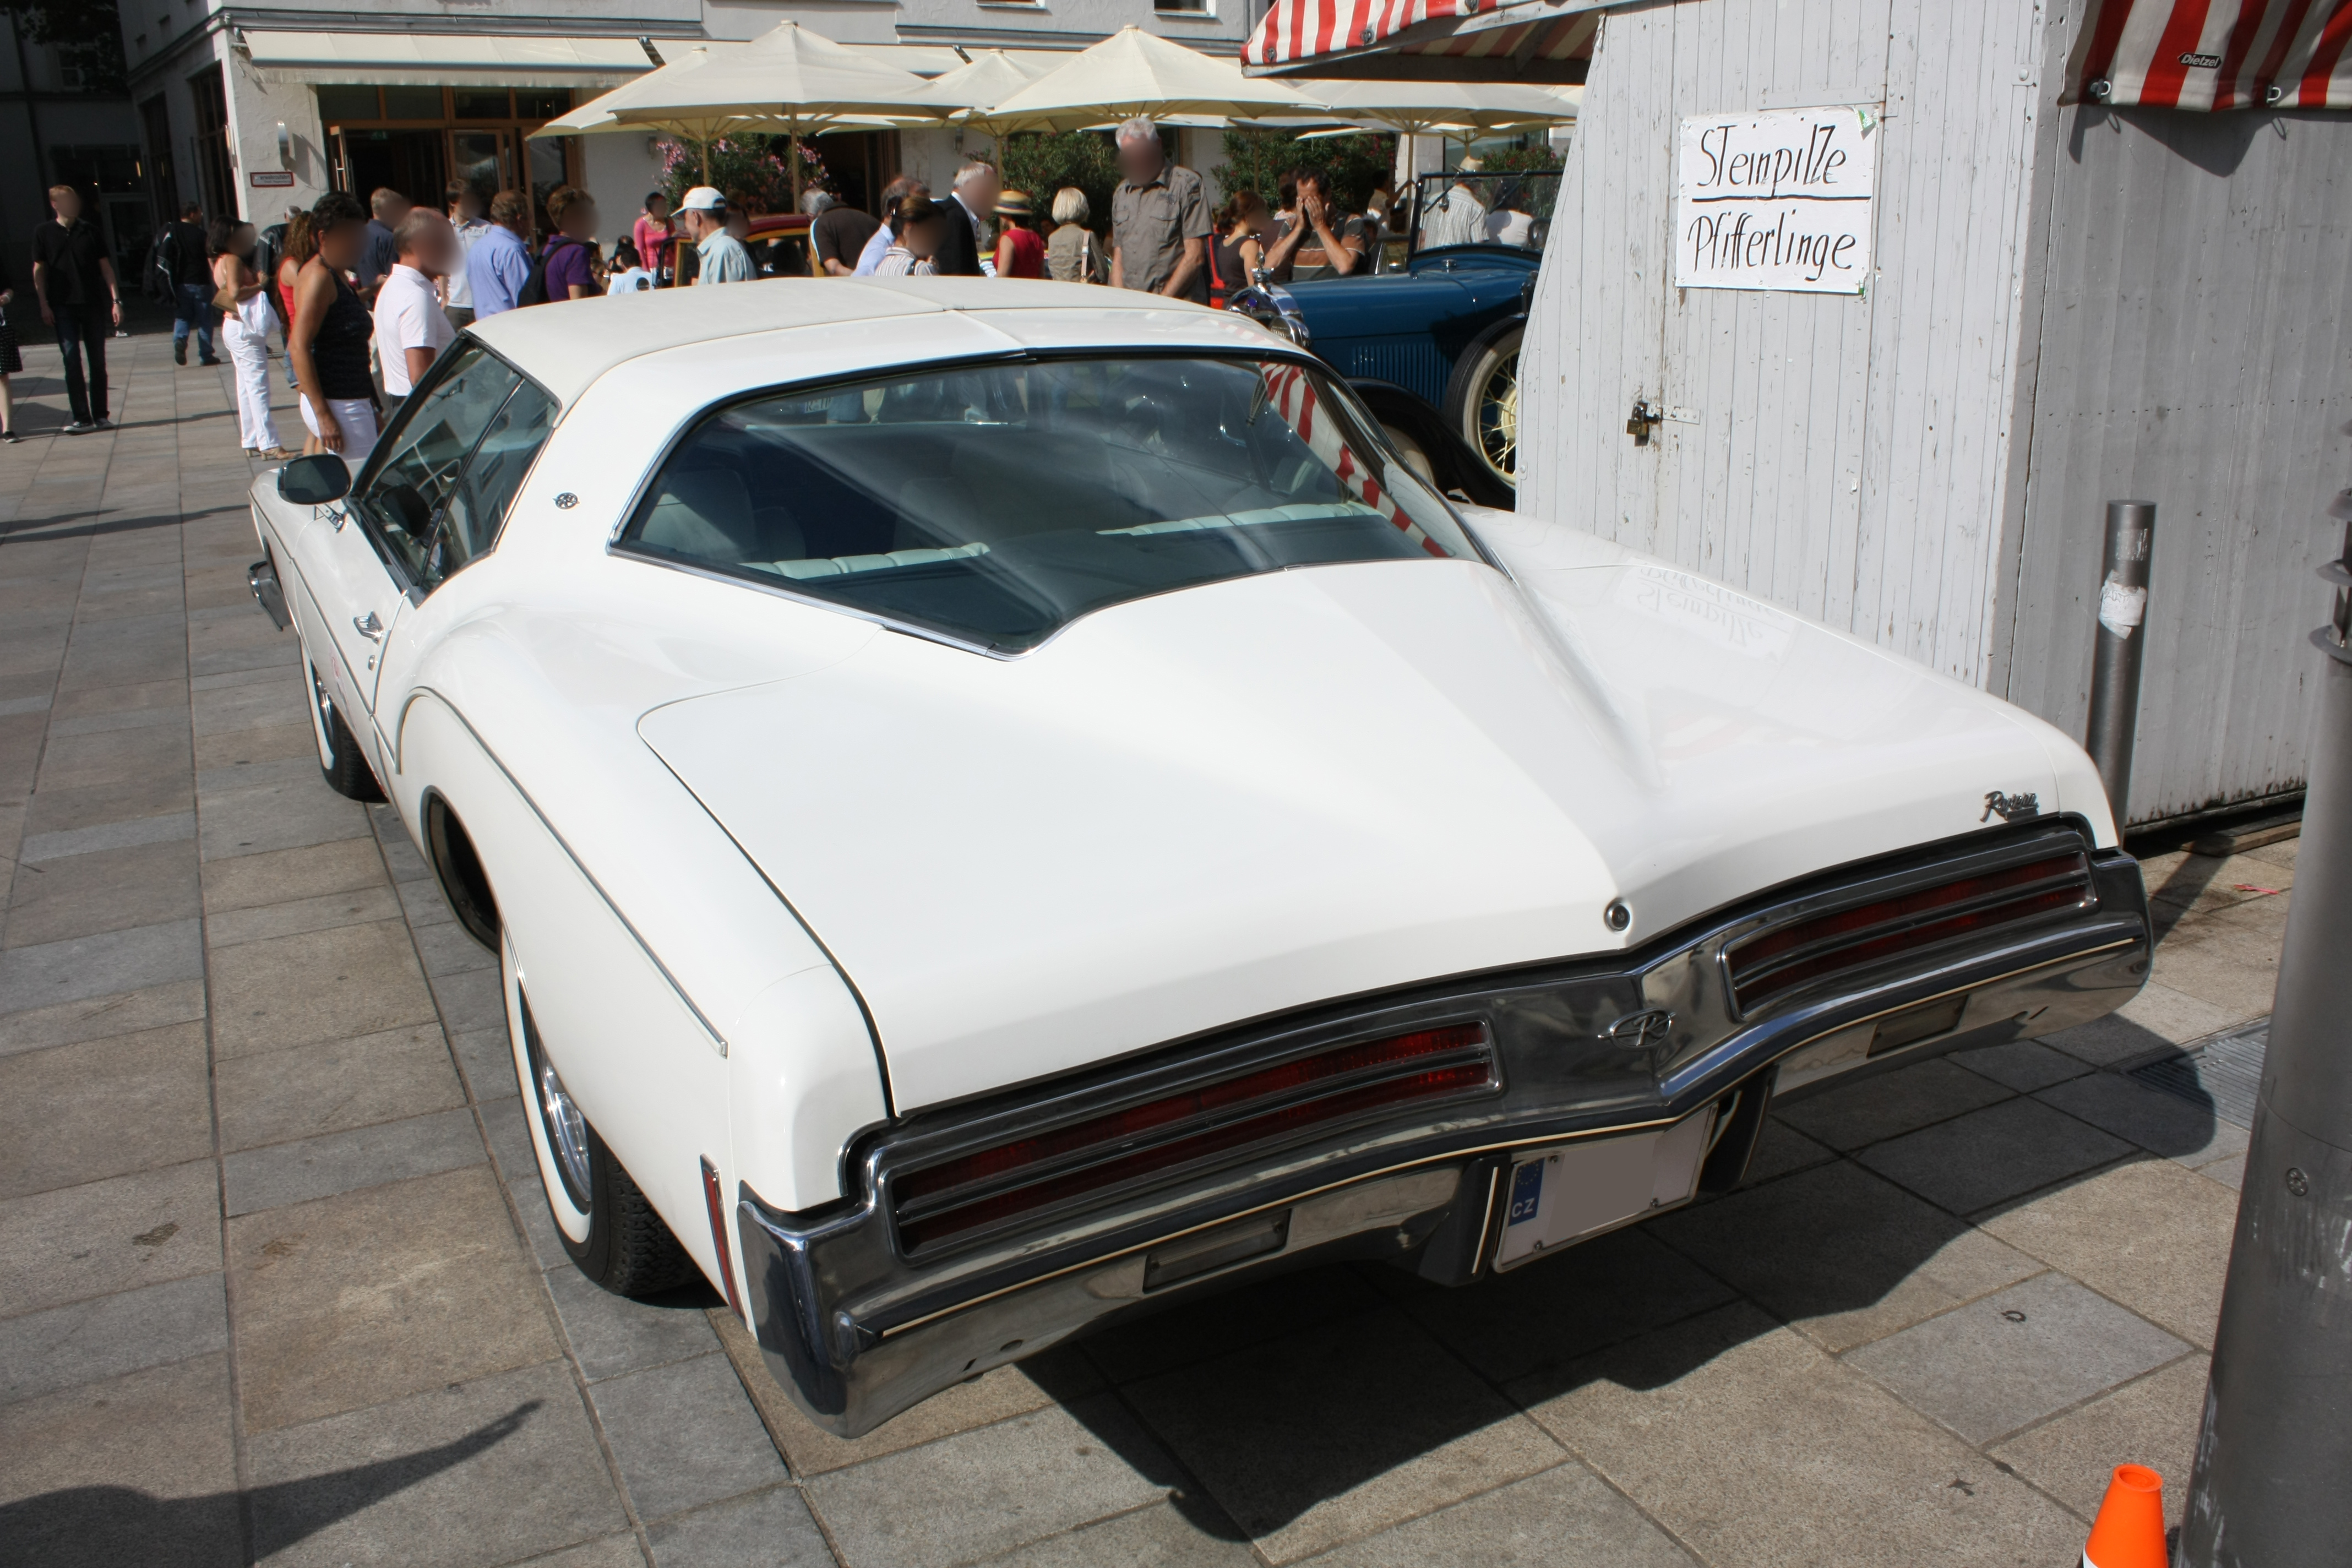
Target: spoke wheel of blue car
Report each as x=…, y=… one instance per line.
x=607, y=1226
x=346, y=770
x=1482, y=400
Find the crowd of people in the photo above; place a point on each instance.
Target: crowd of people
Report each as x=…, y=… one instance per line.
x=366, y=297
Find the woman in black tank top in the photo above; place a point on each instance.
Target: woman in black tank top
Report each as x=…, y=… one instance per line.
x=328, y=340
x=340, y=349
x=1238, y=248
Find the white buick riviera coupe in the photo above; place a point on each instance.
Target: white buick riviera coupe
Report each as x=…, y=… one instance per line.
x=998, y=805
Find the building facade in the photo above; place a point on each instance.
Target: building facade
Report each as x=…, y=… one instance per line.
x=65, y=119
x=259, y=106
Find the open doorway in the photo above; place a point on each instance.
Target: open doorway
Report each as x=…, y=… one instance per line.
x=414, y=163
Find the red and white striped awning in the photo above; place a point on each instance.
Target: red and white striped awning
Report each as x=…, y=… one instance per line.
x=2213, y=54
x=1528, y=40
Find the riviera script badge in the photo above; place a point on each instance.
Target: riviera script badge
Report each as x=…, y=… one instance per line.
x=1780, y=200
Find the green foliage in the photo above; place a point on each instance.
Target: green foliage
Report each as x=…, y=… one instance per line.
x=751, y=170
x=1258, y=160
x=1042, y=164
x=1530, y=159
x=87, y=34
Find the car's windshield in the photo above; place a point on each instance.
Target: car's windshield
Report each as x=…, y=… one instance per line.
x=1482, y=209
x=996, y=503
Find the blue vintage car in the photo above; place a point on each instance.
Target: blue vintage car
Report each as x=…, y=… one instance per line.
x=1431, y=342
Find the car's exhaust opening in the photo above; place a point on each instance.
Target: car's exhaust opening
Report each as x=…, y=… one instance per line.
x=1256, y=1237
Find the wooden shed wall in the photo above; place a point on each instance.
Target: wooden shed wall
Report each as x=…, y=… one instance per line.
x=2194, y=316
x=1850, y=456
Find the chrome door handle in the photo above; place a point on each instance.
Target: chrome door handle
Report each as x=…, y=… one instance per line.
x=368, y=626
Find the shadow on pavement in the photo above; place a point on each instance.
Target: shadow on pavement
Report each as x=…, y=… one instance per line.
x=121, y=1525
x=45, y=528
x=2182, y=888
x=1286, y=1392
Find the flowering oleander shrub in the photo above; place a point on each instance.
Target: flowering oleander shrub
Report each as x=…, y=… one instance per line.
x=751, y=169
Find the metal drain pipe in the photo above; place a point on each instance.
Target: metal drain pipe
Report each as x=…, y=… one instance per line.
x=2115, y=660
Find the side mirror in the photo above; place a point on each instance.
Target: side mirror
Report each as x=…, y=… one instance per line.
x=314, y=480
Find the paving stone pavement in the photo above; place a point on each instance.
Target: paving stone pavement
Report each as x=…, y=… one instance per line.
x=277, y=1283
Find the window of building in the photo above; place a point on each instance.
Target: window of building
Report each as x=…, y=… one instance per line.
x=1184, y=7
x=163, y=188
x=416, y=139
x=349, y=103
x=413, y=103
x=479, y=103
x=209, y=148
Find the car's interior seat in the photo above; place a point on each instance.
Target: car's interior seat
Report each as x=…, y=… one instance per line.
x=781, y=538
x=704, y=514
x=940, y=513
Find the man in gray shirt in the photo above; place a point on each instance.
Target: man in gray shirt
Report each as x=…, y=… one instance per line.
x=1159, y=220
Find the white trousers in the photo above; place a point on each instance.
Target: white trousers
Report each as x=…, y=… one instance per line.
x=355, y=417
x=249, y=352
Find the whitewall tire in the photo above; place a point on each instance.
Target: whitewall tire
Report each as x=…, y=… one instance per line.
x=607, y=1226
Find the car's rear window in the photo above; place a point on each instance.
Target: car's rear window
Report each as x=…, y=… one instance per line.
x=996, y=503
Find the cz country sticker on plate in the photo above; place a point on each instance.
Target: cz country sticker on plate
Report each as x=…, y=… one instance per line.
x=1526, y=1193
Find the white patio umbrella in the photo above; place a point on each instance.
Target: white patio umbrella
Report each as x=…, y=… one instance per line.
x=1132, y=72
x=1411, y=108
x=1443, y=108
x=789, y=81
x=970, y=93
x=601, y=115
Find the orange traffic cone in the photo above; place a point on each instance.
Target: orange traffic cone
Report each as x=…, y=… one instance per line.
x=2129, y=1531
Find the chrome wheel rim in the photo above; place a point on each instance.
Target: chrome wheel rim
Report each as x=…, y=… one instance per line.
x=567, y=1132
x=1498, y=417
x=566, y=1129
x=326, y=707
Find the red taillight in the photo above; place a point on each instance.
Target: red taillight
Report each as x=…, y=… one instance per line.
x=1110, y=1139
x=716, y=1203
x=1868, y=933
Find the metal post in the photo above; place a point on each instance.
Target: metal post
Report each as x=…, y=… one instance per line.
x=2114, y=662
x=2276, y=1447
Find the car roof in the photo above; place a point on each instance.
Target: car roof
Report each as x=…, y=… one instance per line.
x=568, y=347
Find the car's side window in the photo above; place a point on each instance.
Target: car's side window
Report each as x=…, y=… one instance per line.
x=478, y=507
x=410, y=486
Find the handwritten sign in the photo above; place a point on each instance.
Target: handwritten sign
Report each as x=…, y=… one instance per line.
x=1779, y=200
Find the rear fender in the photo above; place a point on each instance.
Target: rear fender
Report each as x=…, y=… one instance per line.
x=641, y=1064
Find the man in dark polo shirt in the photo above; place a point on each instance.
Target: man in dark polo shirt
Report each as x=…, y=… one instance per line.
x=190, y=260
x=1159, y=220
x=74, y=279
x=840, y=235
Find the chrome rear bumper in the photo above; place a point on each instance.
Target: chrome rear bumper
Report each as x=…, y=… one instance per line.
x=858, y=1326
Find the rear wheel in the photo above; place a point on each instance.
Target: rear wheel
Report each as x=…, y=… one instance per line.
x=347, y=772
x=1482, y=400
x=607, y=1225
